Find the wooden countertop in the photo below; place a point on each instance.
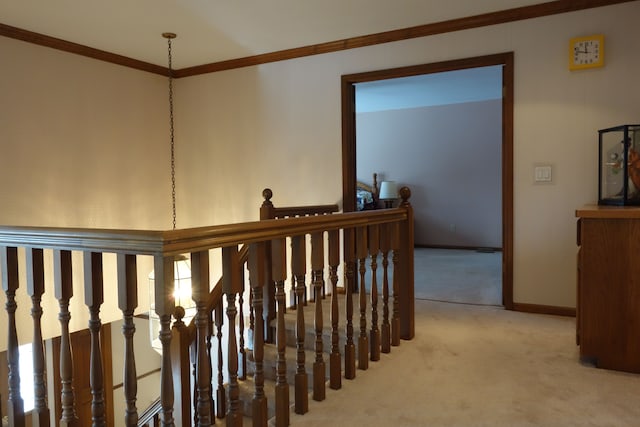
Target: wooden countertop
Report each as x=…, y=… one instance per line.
x=609, y=212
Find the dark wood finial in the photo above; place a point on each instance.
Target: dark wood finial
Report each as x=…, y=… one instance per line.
x=179, y=314
x=267, y=194
x=405, y=194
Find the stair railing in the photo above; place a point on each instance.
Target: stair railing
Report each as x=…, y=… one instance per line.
x=269, y=211
x=164, y=246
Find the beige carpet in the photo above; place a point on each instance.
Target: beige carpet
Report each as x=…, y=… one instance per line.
x=482, y=366
x=457, y=275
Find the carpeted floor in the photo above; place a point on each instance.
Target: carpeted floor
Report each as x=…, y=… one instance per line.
x=482, y=366
x=457, y=275
x=478, y=365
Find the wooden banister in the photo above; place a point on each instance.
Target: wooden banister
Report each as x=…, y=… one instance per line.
x=269, y=211
x=366, y=234
x=176, y=242
x=149, y=418
x=215, y=295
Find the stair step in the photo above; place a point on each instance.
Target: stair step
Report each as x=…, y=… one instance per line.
x=247, y=387
x=290, y=319
x=270, y=362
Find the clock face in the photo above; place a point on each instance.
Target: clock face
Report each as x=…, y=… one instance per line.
x=586, y=52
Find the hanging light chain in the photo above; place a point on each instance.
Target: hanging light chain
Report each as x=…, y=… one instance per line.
x=170, y=36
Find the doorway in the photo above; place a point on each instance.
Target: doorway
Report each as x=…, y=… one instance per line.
x=349, y=157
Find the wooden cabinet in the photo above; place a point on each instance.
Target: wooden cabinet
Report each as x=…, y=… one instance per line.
x=608, y=304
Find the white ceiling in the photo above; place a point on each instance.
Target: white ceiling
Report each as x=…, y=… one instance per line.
x=451, y=87
x=216, y=30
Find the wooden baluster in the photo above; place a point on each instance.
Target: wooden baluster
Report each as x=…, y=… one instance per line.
x=94, y=297
x=9, y=267
x=252, y=324
x=363, y=338
x=182, y=368
x=349, y=347
x=221, y=399
x=374, y=248
x=35, y=288
x=231, y=287
x=193, y=357
x=62, y=278
x=406, y=289
x=267, y=212
x=165, y=307
x=317, y=268
x=257, y=281
x=200, y=294
x=127, y=302
x=292, y=293
x=209, y=339
x=395, y=317
x=242, y=353
x=298, y=268
x=385, y=240
x=279, y=275
x=335, y=362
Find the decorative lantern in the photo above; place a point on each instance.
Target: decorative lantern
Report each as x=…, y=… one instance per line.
x=619, y=165
x=181, y=294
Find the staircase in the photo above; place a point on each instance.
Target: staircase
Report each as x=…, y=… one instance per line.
x=313, y=365
x=309, y=348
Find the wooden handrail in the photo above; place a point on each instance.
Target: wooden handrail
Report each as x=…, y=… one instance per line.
x=268, y=211
x=149, y=414
x=176, y=242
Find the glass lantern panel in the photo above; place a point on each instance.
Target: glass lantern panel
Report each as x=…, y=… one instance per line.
x=181, y=293
x=634, y=161
x=612, y=173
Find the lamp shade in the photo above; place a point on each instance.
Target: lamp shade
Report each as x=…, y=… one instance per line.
x=388, y=190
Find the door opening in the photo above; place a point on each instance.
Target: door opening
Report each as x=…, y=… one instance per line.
x=505, y=61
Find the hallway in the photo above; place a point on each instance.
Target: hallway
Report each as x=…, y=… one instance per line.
x=482, y=366
x=457, y=275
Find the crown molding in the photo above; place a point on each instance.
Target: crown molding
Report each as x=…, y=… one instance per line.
x=459, y=24
x=79, y=49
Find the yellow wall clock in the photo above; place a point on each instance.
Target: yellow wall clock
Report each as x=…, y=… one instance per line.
x=586, y=52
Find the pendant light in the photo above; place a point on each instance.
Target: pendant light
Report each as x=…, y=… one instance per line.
x=182, y=265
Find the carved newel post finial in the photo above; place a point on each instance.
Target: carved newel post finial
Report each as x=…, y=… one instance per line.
x=267, y=194
x=266, y=210
x=405, y=194
x=179, y=315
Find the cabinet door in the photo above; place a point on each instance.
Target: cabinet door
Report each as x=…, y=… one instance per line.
x=578, y=296
x=609, y=287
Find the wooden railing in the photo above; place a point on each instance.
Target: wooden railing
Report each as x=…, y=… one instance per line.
x=365, y=235
x=269, y=211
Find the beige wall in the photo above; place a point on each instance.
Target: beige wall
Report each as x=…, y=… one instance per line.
x=84, y=143
x=280, y=123
x=450, y=157
x=148, y=364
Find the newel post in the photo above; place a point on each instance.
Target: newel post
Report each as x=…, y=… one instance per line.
x=406, y=285
x=267, y=211
x=181, y=367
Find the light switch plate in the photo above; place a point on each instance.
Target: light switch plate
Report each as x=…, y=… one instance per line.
x=543, y=174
